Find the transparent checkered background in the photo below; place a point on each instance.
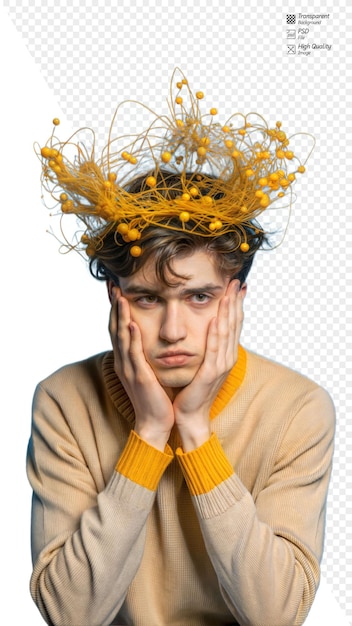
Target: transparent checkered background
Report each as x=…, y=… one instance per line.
x=298, y=309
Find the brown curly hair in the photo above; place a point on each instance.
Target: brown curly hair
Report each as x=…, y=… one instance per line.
x=112, y=258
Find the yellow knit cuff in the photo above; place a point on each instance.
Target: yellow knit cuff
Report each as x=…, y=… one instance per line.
x=205, y=467
x=142, y=463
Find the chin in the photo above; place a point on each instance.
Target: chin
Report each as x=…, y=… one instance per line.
x=175, y=379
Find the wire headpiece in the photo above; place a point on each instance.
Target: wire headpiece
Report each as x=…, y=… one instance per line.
x=228, y=174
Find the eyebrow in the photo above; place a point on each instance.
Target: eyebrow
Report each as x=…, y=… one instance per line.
x=143, y=289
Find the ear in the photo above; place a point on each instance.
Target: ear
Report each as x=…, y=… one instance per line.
x=111, y=287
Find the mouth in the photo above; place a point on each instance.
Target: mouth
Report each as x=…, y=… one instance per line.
x=174, y=358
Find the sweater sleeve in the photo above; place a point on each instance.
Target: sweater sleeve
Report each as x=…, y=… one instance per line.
x=266, y=552
x=86, y=545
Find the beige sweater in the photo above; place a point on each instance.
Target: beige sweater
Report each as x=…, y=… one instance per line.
x=231, y=533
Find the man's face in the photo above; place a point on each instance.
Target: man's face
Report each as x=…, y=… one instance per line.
x=174, y=320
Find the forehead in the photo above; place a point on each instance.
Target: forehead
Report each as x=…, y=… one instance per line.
x=193, y=270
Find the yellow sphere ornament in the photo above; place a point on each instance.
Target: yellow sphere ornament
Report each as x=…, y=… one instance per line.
x=166, y=157
x=136, y=251
x=184, y=216
x=244, y=246
x=122, y=229
x=151, y=181
x=46, y=152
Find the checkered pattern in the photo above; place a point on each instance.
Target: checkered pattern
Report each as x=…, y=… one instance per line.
x=95, y=54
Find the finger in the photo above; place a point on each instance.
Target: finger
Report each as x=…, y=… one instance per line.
x=115, y=294
x=232, y=291
x=123, y=334
x=136, y=352
x=240, y=316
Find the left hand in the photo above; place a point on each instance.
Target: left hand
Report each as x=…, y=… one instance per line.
x=192, y=405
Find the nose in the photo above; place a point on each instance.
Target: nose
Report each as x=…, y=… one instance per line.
x=172, y=328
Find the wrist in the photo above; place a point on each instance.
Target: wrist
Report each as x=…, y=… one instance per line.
x=156, y=439
x=193, y=436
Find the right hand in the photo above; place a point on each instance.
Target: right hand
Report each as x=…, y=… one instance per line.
x=153, y=409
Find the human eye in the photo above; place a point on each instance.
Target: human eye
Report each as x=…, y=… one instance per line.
x=147, y=300
x=200, y=298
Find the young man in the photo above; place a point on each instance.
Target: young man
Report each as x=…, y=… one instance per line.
x=179, y=479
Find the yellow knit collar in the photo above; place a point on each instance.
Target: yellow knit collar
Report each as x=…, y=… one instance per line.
x=231, y=384
x=123, y=404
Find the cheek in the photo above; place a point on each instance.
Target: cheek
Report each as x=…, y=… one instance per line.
x=148, y=323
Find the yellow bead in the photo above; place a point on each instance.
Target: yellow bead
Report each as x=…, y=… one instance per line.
x=135, y=251
x=56, y=121
x=218, y=224
x=274, y=185
x=166, y=157
x=179, y=123
x=125, y=155
x=279, y=124
x=67, y=206
x=244, y=209
x=186, y=196
x=244, y=246
x=184, y=81
x=228, y=143
x=291, y=177
x=281, y=194
x=212, y=226
x=263, y=182
x=151, y=181
x=284, y=182
x=280, y=154
x=132, y=160
x=201, y=151
x=207, y=200
x=194, y=191
x=249, y=173
x=235, y=154
x=122, y=229
x=199, y=95
x=213, y=111
x=226, y=129
x=205, y=141
x=281, y=135
x=46, y=152
x=179, y=100
x=112, y=177
x=184, y=216
x=242, y=131
x=301, y=169
x=63, y=197
x=133, y=234
x=265, y=201
x=107, y=184
x=289, y=154
x=179, y=85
